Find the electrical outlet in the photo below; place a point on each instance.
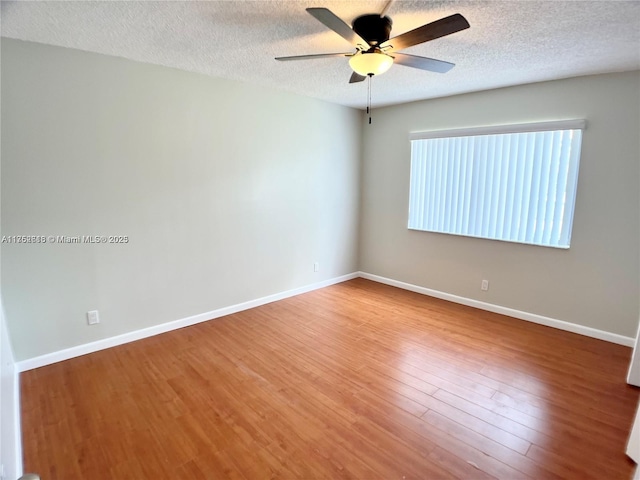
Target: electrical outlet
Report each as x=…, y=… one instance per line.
x=93, y=317
x=316, y=267
x=485, y=285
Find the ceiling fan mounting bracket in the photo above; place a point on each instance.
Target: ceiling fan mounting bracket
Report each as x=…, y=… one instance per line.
x=373, y=28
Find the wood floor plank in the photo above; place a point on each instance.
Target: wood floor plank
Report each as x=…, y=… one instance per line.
x=490, y=447
x=497, y=420
x=428, y=440
x=357, y=380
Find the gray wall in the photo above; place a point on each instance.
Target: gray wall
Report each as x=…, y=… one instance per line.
x=594, y=283
x=227, y=192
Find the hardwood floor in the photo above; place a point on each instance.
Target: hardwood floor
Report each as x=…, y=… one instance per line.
x=357, y=380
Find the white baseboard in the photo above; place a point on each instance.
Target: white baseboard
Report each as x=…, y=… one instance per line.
x=530, y=317
x=86, y=348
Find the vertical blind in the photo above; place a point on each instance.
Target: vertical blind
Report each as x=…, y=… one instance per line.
x=518, y=186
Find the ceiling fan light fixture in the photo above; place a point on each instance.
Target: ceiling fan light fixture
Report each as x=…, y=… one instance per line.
x=370, y=63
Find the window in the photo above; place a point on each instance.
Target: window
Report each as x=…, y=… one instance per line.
x=515, y=183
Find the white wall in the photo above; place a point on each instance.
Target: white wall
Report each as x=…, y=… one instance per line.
x=594, y=283
x=10, y=444
x=633, y=376
x=227, y=192
x=10, y=449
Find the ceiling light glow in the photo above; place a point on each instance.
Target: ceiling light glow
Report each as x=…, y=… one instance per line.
x=370, y=63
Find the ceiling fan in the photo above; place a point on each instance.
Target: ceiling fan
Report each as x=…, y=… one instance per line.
x=375, y=52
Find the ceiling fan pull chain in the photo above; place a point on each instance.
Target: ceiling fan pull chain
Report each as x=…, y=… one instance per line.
x=369, y=97
x=368, y=89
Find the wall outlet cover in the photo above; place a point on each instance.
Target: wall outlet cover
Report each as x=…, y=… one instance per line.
x=92, y=317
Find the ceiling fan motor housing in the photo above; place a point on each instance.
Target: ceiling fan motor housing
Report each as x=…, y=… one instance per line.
x=373, y=28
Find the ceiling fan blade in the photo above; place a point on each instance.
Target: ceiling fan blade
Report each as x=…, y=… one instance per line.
x=311, y=57
x=331, y=20
x=423, y=63
x=430, y=31
x=355, y=78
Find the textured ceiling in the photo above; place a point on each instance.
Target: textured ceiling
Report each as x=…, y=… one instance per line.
x=509, y=42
